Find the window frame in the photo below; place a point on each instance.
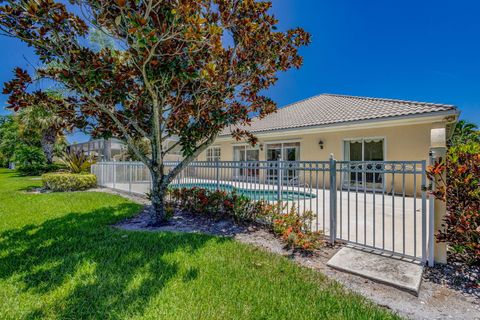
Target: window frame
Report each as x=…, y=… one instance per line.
x=383, y=138
x=211, y=154
x=282, y=144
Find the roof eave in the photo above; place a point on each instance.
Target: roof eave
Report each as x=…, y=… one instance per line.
x=422, y=118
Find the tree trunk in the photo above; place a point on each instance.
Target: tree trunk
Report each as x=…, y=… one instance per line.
x=48, y=142
x=158, y=194
x=160, y=181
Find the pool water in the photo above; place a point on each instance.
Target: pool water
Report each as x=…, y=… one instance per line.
x=253, y=194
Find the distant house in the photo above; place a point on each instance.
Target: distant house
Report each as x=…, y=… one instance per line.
x=352, y=128
x=114, y=149
x=103, y=149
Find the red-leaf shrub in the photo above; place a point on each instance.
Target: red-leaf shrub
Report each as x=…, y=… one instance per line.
x=461, y=191
x=217, y=203
x=292, y=227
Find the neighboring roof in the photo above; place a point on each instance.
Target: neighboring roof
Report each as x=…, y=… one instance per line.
x=328, y=109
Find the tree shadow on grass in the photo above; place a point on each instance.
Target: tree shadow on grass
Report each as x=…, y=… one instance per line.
x=101, y=271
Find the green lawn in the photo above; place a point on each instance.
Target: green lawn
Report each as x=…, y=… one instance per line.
x=59, y=258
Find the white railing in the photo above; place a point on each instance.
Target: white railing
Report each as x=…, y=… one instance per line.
x=380, y=205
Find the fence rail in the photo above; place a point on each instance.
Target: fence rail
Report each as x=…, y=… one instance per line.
x=380, y=205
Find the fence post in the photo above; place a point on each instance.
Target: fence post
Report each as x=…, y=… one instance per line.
x=217, y=173
x=114, y=174
x=437, y=209
x=129, y=169
x=438, y=152
x=333, y=199
x=279, y=179
x=424, y=212
x=180, y=175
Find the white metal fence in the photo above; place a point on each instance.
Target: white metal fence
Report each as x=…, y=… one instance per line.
x=381, y=205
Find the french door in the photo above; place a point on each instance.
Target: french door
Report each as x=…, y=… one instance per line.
x=285, y=152
x=363, y=153
x=247, y=157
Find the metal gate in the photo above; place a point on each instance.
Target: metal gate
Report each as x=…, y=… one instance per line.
x=381, y=205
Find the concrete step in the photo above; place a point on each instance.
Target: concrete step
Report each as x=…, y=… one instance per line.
x=393, y=271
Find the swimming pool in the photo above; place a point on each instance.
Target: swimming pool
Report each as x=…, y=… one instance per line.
x=253, y=194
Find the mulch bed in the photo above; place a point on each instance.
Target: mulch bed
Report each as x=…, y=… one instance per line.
x=456, y=275
x=184, y=222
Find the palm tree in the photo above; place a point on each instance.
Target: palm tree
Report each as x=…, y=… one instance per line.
x=45, y=122
x=464, y=132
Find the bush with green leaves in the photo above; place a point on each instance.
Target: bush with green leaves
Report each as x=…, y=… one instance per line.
x=68, y=181
x=30, y=160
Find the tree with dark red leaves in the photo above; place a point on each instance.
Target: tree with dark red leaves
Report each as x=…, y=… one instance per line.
x=184, y=69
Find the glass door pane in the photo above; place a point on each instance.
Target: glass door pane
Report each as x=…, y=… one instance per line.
x=252, y=155
x=354, y=153
x=355, y=150
x=373, y=151
x=290, y=153
x=274, y=153
x=239, y=155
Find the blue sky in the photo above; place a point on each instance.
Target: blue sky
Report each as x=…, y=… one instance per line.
x=425, y=50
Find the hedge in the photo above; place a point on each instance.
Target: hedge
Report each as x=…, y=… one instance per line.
x=68, y=181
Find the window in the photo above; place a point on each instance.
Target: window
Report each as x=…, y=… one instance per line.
x=363, y=173
x=245, y=153
x=368, y=149
x=283, y=151
x=213, y=154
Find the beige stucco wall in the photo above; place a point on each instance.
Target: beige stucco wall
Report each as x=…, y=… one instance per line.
x=402, y=142
x=405, y=142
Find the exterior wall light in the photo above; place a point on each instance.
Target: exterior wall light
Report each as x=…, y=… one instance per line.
x=261, y=147
x=320, y=143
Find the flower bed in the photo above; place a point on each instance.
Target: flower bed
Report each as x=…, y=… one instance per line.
x=291, y=226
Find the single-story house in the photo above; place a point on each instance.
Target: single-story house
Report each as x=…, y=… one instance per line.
x=349, y=127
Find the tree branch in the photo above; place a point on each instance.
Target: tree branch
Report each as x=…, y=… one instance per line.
x=184, y=163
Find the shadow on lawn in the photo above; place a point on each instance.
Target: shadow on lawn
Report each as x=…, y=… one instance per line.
x=100, y=271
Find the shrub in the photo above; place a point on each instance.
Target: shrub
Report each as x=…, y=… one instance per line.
x=77, y=161
x=68, y=181
x=292, y=227
x=30, y=160
x=461, y=191
x=217, y=203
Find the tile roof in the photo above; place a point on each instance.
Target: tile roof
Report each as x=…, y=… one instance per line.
x=328, y=109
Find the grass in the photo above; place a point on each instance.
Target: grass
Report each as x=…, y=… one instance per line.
x=61, y=259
